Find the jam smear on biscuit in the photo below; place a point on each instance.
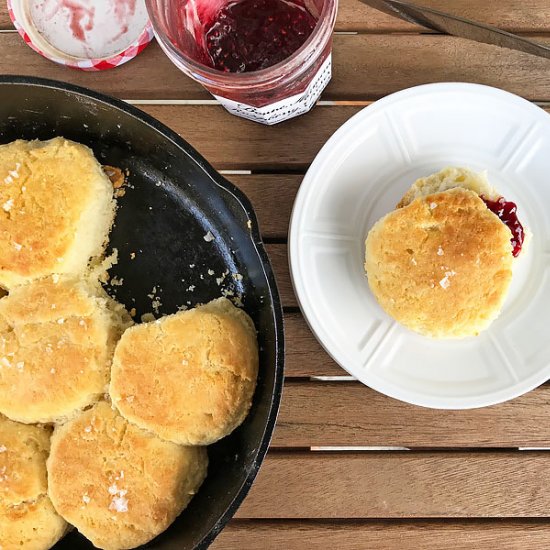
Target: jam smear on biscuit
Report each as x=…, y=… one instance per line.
x=507, y=212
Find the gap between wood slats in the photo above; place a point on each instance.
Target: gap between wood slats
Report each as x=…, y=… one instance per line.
x=400, y=485
x=385, y=535
x=511, y=15
x=338, y=414
x=366, y=67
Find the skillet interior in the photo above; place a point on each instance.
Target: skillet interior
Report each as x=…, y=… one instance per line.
x=175, y=198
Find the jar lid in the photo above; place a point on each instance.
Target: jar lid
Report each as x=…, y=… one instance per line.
x=91, y=35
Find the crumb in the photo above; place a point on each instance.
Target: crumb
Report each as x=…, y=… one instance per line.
x=190, y=288
x=120, y=193
x=132, y=256
x=147, y=317
x=191, y=266
x=17, y=246
x=210, y=272
x=3, y=448
x=130, y=398
x=413, y=261
x=52, y=370
x=115, y=281
x=249, y=224
x=237, y=277
x=133, y=312
x=433, y=205
x=60, y=321
x=86, y=499
x=7, y=206
x=208, y=237
x=440, y=251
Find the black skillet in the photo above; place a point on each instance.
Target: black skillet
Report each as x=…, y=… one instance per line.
x=175, y=200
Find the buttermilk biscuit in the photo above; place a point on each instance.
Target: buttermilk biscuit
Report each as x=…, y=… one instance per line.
x=119, y=485
x=450, y=178
x=442, y=265
x=188, y=377
x=56, y=209
x=57, y=336
x=27, y=517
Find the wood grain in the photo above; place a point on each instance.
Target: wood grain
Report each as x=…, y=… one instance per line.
x=272, y=196
x=400, y=485
x=376, y=535
x=366, y=67
x=339, y=414
x=304, y=355
x=234, y=143
x=279, y=260
x=525, y=16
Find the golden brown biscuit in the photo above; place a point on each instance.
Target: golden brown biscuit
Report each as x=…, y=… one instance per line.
x=56, y=209
x=27, y=517
x=442, y=265
x=57, y=336
x=188, y=377
x=449, y=178
x=119, y=485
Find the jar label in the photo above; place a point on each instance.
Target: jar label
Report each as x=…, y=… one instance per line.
x=285, y=108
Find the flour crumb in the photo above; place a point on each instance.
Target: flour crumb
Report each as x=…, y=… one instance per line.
x=3, y=448
x=433, y=205
x=208, y=237
x=17, y=246
x=7, y=206
x=440, y=251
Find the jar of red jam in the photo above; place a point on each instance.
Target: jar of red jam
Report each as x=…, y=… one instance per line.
x=265, y=60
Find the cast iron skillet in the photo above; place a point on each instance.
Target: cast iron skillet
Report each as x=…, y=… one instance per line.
x=175, y=199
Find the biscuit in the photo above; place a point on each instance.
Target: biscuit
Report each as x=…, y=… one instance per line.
x=188, y=377
x=57, y=336
x=56, y=209
x=27, y=517
x=442, y=265
x=119, y=485
x=450, y=178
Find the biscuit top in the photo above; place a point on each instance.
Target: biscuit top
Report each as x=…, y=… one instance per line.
x=188, y=377
x=56, y=340
x=441, y=265
x=56, y=209
x=450, y=178
x=23, y=453
x=118, y=484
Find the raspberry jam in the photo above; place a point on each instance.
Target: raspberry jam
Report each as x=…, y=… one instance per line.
x=250, y=35
x=507, y=212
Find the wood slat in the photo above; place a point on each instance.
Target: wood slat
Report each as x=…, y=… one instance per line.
x=376, y=535
x=349, y=414
x=234, y=143
x=304, y=356
x=366, y=67
x=279, y=260
x=525, y=16
x=511, y=15
x=400, y=485
x=272, y=197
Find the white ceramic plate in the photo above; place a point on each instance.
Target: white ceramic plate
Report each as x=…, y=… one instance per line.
x=359, y=175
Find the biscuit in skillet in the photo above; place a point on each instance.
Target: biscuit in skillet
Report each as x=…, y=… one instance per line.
x=188, y=377
x=119, y=485
x=57, y=337
x=56, y=209
x=27, y=517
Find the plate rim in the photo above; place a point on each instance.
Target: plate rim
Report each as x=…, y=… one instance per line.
x=387, y=388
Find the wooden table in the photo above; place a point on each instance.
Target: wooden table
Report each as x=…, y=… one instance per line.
x=337, y=475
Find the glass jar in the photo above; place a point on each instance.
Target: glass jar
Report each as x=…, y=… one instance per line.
x=282, y=91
